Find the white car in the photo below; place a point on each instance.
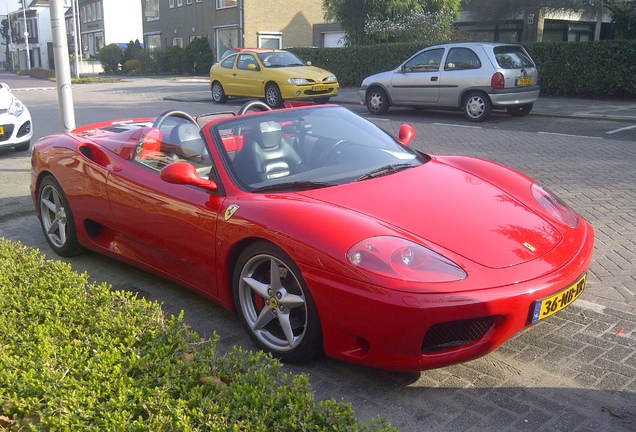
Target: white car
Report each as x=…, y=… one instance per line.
x=16, y=129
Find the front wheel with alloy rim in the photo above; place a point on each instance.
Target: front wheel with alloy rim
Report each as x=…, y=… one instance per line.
x=477, y=107
x=218, y=94
x=275, y=305
x=56, y=219
x=377, y=101
x=273, y=98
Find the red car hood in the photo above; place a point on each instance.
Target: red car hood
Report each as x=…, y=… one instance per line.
x=452, y=209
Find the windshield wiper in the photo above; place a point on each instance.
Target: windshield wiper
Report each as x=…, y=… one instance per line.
x=293, y=186
x=384, y=170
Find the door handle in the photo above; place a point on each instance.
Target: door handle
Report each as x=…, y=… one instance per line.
x=434, y=78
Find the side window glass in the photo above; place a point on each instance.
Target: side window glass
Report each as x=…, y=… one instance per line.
x=245, y=60
x=228, y=62
x=462, y=59
x=427, y=61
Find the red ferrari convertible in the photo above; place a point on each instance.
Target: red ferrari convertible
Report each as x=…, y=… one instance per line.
x=323, y=232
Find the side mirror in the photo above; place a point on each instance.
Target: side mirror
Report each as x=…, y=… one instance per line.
x=185, y=174
x=252, y=67
x=406, y=134
x=308, y=63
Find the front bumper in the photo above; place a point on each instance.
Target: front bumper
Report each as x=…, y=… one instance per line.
x=308, y=91
x=15, y=133
x=394, y=330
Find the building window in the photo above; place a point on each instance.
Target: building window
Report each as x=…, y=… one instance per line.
x=270, y=40
x=226, y=37
x=177, y=42
x=152, y=10
x=171, y=4
x=189, y=2
x=179, y=3
x=221, y=4
x=153, y=42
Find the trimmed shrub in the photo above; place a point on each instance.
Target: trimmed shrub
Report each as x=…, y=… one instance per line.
x=199, y=56
x=78, y=356
x=109, y=57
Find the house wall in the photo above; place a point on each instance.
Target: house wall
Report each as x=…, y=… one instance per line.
x=294, y=23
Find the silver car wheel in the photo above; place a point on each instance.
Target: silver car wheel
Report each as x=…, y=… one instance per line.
x=272, y=303
x=53, y=216
x=477, y=107
x=56, y=218
x=273, y=98
x=377, y=101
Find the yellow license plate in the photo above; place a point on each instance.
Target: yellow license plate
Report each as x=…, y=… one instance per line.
x=551, y=305
x=524, y=81
x=321, y=88
x=1, y=130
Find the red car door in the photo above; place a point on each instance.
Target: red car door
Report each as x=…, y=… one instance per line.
x=170, y=227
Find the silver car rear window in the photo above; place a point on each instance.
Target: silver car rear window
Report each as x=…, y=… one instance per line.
x=512, y=57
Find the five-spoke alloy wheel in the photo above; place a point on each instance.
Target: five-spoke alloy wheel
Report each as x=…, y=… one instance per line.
x=56, y=218
x=275, y=305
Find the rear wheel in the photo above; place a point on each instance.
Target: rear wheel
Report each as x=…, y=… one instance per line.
x=520, y=111
x=56, y=219
x=274, y=304
x=477, y=107
x=377, y=101
x=218, y=94
x=273, y=98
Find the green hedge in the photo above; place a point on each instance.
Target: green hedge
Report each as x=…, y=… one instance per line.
x=79, y=356
x=605, y=69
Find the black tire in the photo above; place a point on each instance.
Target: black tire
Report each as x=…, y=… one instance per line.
x=520, y=111
x=273, y=98
x=22, y=147
x=477, y=107
x=321, y=100
x=377, y=101
x=218, y=94
x=278, y=313
x=56, y=219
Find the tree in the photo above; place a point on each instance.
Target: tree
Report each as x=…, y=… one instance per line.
x=624, y=19
x=353, y=15
x=110, y=56
x=199, y=56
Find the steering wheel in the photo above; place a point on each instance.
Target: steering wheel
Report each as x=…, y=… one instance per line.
x=159, y=121
x=330, y=152
x=254, y=105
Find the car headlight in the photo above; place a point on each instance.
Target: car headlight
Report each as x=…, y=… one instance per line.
x=297, y=81
x=402, y=259
x=332, y=79
x=554, y=206
x=16, y=108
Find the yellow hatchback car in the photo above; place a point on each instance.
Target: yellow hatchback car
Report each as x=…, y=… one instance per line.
x=272, y=75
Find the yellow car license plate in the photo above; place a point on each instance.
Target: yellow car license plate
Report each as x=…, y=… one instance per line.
x=524, y=81
x=551, y=305
x=1, y=130
x=321, y=88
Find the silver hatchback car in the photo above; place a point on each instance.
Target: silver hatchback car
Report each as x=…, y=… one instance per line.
x=475, y=77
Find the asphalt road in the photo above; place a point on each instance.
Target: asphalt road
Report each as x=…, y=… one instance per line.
x=576, y=371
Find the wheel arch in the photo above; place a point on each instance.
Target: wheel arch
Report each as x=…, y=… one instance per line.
x=383, y=87
x=467, y=91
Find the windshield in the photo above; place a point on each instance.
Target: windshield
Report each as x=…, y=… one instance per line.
x=280, y=59
x=308, y=148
